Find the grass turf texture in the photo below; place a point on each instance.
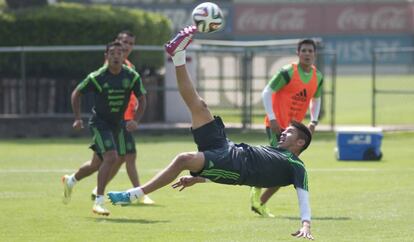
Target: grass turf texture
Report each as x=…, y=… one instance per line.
x=351, y=201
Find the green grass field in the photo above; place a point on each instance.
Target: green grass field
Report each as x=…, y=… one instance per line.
x=351, y=201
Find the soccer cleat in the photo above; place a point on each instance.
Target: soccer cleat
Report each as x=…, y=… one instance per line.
x=256, y=204
x=119, y=198
x=146, y=200
x=263, y=211
x=67, y=190
x=255, y=193
x=100, y=209
x=181, y=40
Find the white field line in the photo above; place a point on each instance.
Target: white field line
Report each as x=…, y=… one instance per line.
x=67, y=171
x=349, y=169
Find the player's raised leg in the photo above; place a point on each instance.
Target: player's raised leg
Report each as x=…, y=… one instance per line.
x=200, y=114
x=193, y=161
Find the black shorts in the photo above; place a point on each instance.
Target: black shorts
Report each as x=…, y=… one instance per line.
x=222, y=163
x=106, y=138
x=210, y=136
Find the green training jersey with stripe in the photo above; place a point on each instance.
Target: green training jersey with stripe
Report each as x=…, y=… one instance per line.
x=111, y=92
x=266, y=166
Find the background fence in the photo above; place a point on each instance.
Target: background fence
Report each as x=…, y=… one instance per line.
x=229, y=78
x=393, y=86
x=40, y=94
x=233, y=74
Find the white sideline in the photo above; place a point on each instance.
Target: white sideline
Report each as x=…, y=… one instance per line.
x=348, y=169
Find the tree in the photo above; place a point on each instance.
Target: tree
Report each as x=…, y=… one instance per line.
x=16, y=4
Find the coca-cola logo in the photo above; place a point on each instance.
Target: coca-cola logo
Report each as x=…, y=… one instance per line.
x=386, y=18
x=389, y=18
x=285, y=19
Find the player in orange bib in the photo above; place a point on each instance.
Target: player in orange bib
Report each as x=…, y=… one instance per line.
x=289, y=94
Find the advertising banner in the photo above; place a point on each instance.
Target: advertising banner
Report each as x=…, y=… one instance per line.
x=358, y=49
x=299, y=19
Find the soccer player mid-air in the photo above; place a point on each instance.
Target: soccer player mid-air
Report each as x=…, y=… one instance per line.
x=220, y=160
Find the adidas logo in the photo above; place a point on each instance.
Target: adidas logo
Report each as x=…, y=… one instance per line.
x=300, y=96
x=210, y=164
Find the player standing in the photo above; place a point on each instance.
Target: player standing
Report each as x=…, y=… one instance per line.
x=134, y=111
x=111, y=86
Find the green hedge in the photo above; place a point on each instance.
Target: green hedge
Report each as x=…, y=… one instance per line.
x=75, y=24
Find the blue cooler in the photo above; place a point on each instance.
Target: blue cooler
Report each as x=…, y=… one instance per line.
x=361, y=143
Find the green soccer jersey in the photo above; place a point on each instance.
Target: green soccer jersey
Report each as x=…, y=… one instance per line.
x=111, y=92
x=282, y=78
x=266, y=166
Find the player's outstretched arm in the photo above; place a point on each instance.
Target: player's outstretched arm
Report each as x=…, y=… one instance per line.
x=305, y=214
x=304, y=232
x=187, y=181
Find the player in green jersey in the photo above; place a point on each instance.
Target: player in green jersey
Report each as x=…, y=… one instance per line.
x=135, y=110
x=220, y=160
x=111, y=87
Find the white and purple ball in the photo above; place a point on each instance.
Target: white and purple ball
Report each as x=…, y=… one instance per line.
x=208, y=17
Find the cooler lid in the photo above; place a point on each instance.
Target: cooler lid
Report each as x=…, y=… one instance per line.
x=359, y=129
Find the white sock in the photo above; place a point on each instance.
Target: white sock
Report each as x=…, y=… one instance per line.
x=95, y=190
x=100, y=199
x=135, y=193
x=179, y=58
x=72, y=180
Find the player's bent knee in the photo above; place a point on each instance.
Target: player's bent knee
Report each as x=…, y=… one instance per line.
x=199, y=105
x=200, y=109
x=183, y=160
x=203, y=103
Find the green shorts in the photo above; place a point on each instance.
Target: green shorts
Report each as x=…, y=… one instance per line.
x=106, y=139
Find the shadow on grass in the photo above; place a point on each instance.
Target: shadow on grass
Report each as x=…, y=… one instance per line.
x=318, y=218
x=140, y=205
x=127, y=220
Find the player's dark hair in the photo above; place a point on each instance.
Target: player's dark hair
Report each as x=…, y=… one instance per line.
x=113, y=43
x=304, y=133
x=306, y=41
x=126, y=32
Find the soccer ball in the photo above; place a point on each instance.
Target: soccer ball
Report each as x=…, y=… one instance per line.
x=208, y=17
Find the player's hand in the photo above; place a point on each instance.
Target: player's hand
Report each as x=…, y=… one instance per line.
x=312, y=127
x=304, y=232
x=185, y=181
x=275, y=127
x=131, y=125
x=77, y=124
